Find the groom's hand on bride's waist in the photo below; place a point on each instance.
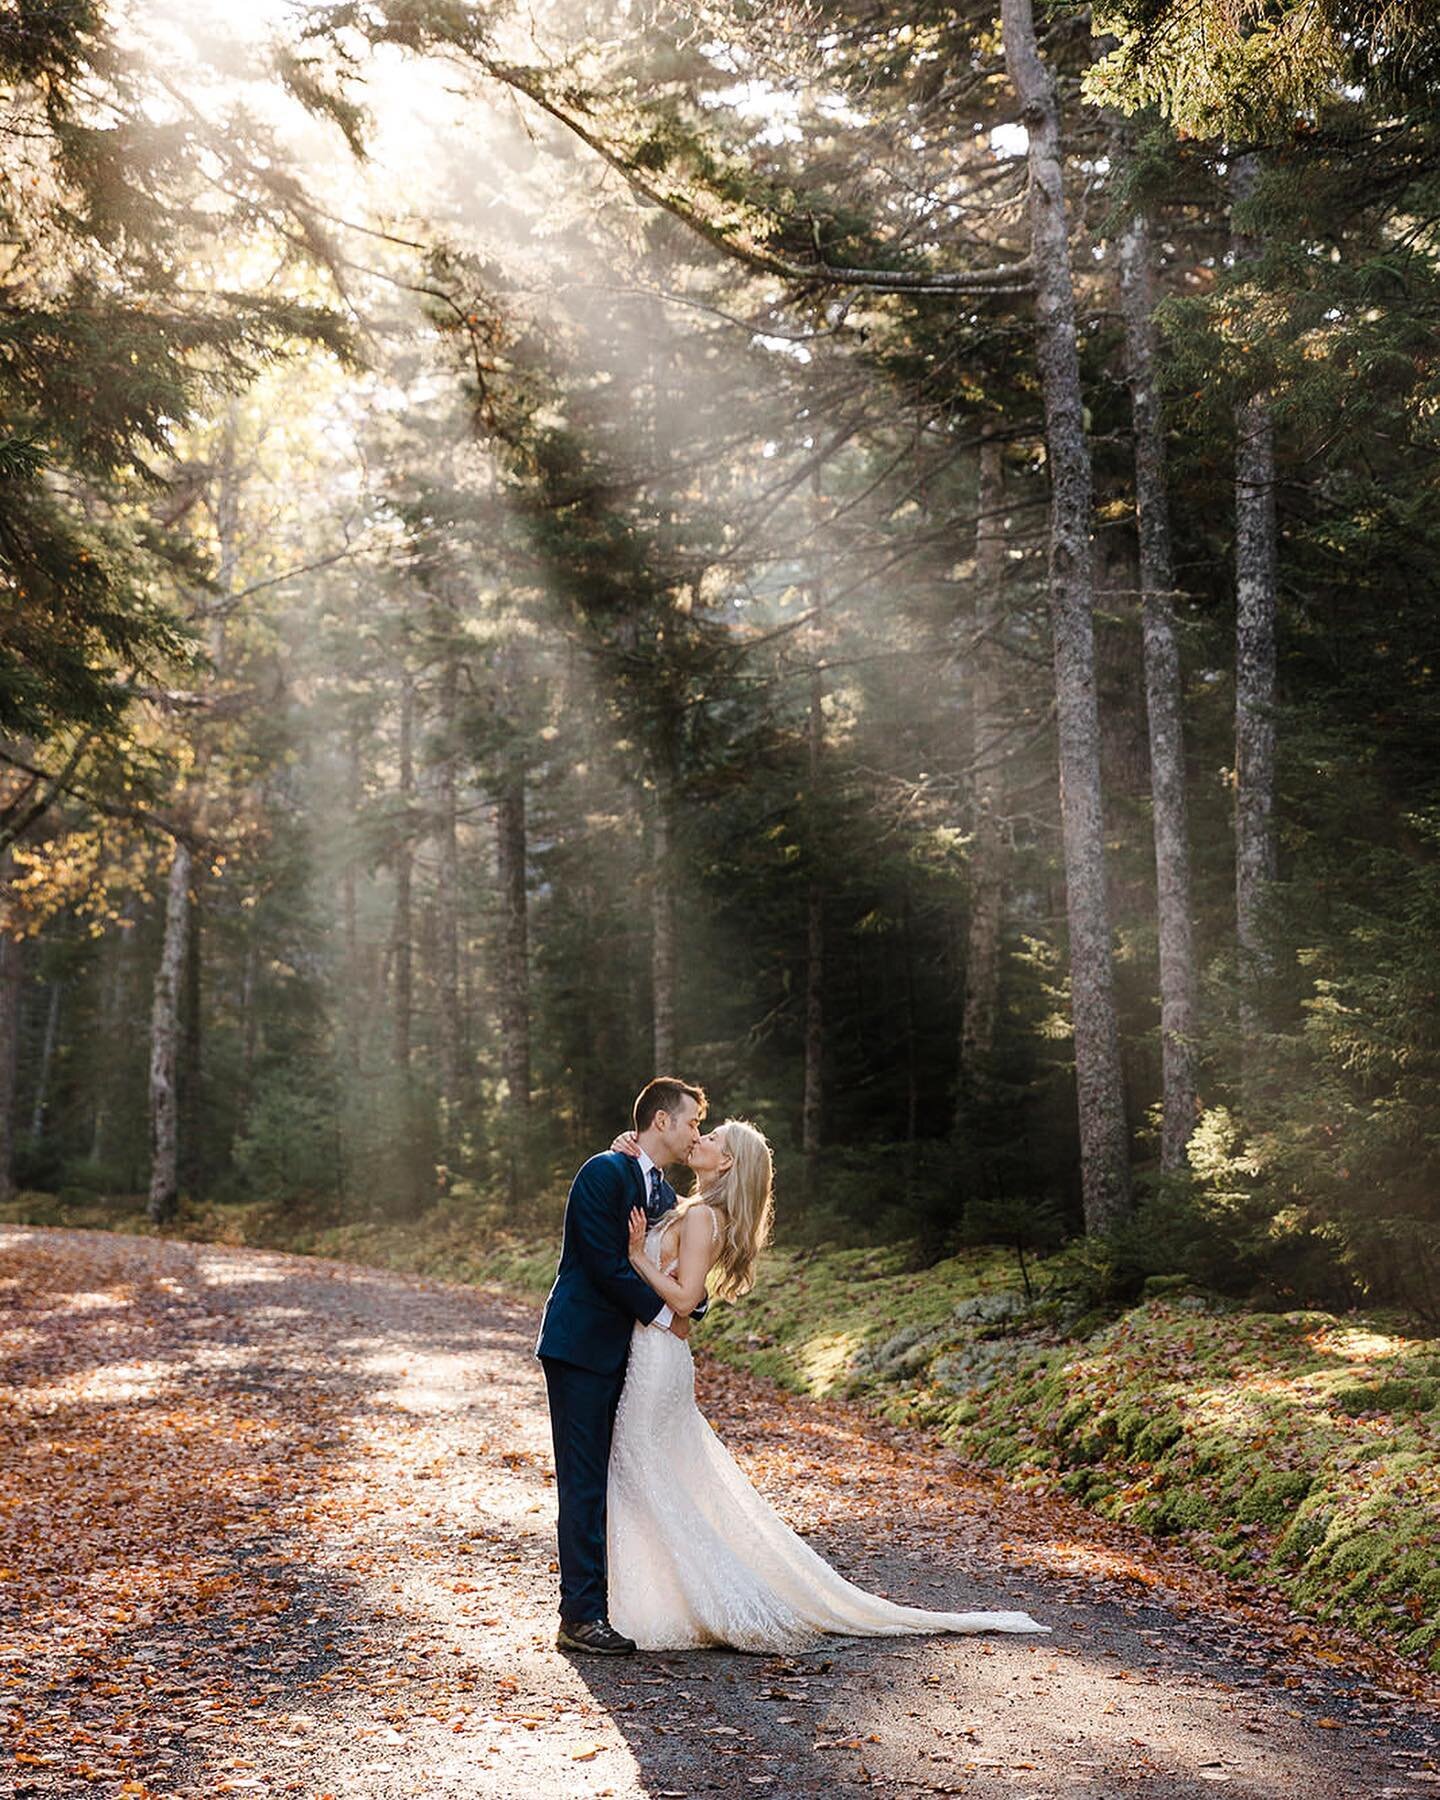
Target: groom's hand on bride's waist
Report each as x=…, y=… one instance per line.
x=680, y=1328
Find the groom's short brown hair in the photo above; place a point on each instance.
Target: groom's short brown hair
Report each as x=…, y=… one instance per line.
x=664, y=1094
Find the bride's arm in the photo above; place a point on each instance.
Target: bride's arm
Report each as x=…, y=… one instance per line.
x=684, y=1290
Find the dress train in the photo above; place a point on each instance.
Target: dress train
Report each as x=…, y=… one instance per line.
x=698, y=1557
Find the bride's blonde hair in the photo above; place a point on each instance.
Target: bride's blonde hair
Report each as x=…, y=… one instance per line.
x=744, y=1199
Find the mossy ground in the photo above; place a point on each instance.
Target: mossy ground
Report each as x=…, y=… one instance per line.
x=1299, y=1448
x=1296, y=1446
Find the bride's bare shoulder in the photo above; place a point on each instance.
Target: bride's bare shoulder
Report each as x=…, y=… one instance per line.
x=707, y=1220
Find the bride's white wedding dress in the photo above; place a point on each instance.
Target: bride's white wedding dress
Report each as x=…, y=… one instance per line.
x=696, y=1556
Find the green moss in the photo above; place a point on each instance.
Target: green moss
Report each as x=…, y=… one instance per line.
x=1387, y=1397
x=1083, y=1484
x=1355, y=1560
x=1124, y=1423
x=1158, y=1436
x=1307, y=1530
x=1272, y=1497
x=1423, y=1643
x=1184, y=1510
x=817, y=1317
x=1209, y=1452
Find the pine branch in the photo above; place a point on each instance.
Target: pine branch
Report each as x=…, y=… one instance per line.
x=61, y=783
x=1007, y=278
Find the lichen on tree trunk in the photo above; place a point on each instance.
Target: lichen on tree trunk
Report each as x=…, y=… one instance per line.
x=403, y=928
x=1255, y=604
x=1104, y=1137
x=164, y=1042
x=513, y=966
x=1162, y=698
x=448, y=999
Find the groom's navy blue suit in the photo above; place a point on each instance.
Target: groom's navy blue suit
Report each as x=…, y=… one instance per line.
x=583, y=1346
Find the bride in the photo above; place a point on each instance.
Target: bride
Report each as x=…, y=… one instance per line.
x=696, y=1556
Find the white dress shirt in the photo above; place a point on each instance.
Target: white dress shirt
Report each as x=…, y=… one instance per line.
x=665, y=1317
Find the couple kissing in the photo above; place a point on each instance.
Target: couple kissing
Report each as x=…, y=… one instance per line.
x=664, y=1542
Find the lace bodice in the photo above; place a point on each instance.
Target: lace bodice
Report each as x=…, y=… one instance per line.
x=654, y=1237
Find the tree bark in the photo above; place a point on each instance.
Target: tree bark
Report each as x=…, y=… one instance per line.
x=47, y=1060
x=912, y=1063
x=1104, y=1138
x=349, y=902
x=662, y=953
x=812, y=1101
x=404, y=926
x=249, y=1026
x=1162, y=699
x=1255, y=606
x=514, y=966
x=189, y=1084
x=987, y=784
x=12, y=958
x=112, y=1010
x=164, y=1041
x=447, y=905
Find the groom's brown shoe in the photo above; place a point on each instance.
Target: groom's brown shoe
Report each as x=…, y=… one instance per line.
x=597, y=1636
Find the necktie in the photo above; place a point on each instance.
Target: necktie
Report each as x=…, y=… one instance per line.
x=655, y=1205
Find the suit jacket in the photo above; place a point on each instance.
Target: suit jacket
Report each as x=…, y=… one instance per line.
x=597, y=1296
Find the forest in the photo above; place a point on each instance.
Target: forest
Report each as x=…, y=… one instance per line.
x=884, y=559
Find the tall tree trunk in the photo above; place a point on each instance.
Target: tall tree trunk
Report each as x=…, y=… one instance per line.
x=249, y=1025
x=47, y=1059
x=812, y=1100
x=912, y=1047
x=1255, y=606
x=514, y=965
x=662, y=949
x=1104, y=1138
x=164, y=1041
x=349, y=901
x=447, y=906
x=987, y=783
x=114, y=989
x=1162, y=698
x=12, y=958
x=404, y=927
x=189, y=1090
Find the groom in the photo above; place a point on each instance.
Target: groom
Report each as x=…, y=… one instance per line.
x=585, y=1341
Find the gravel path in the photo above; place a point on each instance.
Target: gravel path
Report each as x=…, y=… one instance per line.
x=272, y=1525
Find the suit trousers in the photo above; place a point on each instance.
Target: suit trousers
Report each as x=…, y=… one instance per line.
x=582, y=1423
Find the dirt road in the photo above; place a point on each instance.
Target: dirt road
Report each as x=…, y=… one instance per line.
x=271, y=1525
